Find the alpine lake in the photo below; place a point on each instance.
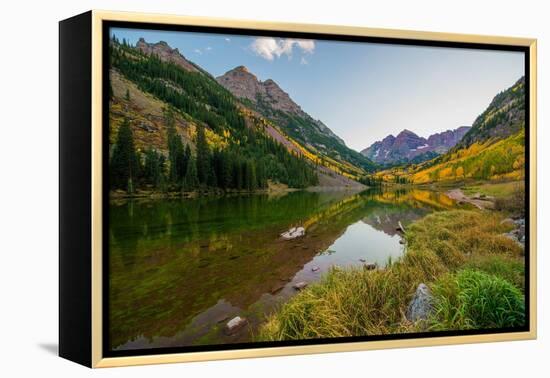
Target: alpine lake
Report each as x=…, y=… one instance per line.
x=180, y=269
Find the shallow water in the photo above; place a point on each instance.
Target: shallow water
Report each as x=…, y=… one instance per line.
x=180, y=269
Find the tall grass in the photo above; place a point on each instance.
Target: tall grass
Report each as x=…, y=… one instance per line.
x=472, y=299
x=357, y=301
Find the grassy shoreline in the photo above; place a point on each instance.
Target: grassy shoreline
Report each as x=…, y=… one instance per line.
x=475, y=274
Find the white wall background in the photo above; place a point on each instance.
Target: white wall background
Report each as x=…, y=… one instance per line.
x=28, y=188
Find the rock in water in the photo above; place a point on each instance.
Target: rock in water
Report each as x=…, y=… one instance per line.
x=300, y=285
x=315, y=269
x=421, y=305
x=235, y=324
x=293, y=233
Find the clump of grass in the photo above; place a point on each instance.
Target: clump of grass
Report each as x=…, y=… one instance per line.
x=357, y=302
x=472, y=299
x=345, y=303
x=494, y=189
x=457, y=235
x=508, y=268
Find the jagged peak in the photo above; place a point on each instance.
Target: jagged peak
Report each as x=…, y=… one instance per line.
x=406, y=132
x=166, y=53
x=241, y=68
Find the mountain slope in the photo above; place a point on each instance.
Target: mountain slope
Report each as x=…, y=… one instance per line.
x=504, y=117
x=409, y=147
x=268, y=99
x=149, y=79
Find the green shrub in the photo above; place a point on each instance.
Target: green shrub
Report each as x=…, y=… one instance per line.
x=472, y=299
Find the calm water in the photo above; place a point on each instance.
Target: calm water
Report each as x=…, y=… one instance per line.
x=180, y=269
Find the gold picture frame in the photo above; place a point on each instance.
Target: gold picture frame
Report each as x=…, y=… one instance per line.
x=93, y=23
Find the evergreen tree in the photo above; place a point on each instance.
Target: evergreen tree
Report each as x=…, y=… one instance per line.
x=176, y=152
x=191, y=181
x=124, y=162
x=153, y=168
x=203, y=157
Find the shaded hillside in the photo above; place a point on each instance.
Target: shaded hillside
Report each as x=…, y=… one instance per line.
x=175, y=128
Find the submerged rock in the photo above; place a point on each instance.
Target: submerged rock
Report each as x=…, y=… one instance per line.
x=421, y=305
x=315, y=269
x=300, y=285
x=278, y=287
x=235, y=324
x=293, y=233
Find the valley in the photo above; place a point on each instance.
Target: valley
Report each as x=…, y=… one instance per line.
x=235, y=216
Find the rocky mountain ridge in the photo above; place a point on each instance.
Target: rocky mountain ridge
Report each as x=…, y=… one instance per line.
x=270, y=100
x=166, y=53
x=408, y=146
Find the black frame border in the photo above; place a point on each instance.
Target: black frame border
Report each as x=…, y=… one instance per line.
x=106, y=25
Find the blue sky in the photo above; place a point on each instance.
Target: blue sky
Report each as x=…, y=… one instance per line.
x=362, y=91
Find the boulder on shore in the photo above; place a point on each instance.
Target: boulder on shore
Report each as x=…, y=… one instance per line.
x=300, y=285
x=235, y=324
x=293, y=233
x=421, y=305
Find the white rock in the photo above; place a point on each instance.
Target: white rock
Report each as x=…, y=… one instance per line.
x=300, y=285
x=293, y=233
x=235, y=324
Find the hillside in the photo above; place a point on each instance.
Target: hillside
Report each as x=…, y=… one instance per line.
x=407, y=147
x=493, y=149
x=268, y=99
x=162, y=106
x=505, y=116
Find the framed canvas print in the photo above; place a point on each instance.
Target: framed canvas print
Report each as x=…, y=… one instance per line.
x=235, y=189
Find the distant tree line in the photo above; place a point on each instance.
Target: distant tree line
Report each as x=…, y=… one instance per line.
x=371, y=181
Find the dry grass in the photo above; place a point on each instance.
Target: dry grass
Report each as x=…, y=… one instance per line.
x=360, y=302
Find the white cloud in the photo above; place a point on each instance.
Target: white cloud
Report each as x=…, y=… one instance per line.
x=208, y=48
x=303, y=61
x=307, y=45
x=270, y=48
x=227, y=39
x=198, y=51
